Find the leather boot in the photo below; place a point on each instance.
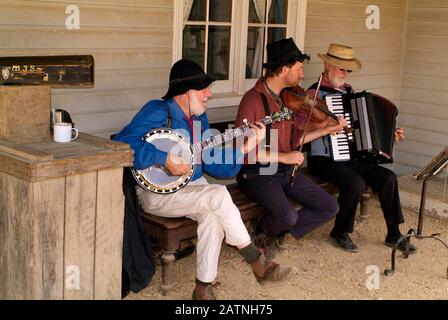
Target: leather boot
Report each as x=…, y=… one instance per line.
x=204, y=292
x=270, y=273
x=267, y=245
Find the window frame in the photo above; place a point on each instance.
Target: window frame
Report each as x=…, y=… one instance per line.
x=237, y=84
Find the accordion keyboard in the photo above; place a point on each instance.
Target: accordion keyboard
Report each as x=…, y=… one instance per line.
x=340, y=142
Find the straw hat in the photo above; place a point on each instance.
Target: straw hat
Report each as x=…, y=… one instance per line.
x=341, y=56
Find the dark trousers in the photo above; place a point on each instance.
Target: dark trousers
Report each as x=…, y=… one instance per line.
x=272, y=192
x=351, y=177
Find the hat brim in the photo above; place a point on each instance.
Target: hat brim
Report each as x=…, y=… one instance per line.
x=182, y=87
x=352, y=64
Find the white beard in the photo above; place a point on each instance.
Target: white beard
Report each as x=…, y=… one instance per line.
x=337, y=82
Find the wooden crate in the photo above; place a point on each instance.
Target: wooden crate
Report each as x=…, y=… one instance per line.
x=25, y=113
x=61, y=219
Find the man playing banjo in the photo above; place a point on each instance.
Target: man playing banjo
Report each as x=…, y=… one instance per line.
x=211, y=205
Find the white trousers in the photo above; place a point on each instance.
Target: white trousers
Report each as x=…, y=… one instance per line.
x=217, y=216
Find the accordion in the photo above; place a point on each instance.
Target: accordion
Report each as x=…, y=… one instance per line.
x=372, y=120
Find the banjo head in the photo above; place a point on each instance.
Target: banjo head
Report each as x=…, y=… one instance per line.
x=157, y=178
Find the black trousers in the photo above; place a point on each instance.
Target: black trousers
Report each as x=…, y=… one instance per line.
x=351, y=177
x=272, y=193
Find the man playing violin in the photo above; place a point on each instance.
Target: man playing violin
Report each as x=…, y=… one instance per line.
x=183, y=107
x=352, y=176
x=271, y=191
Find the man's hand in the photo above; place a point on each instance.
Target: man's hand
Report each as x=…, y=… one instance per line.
x=337, y=128
x=294, y=157
x=399, y=134
x=177, y=165
x=258, y=133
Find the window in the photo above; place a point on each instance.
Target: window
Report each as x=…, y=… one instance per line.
x=228, y=37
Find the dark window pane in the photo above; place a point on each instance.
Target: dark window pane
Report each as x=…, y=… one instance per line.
x=220, y=10
x=278, y=11
x=275, y=34
x=257, y=9
x=255, y=52
x=218, y=52
x=193, y=46
x=197, y=11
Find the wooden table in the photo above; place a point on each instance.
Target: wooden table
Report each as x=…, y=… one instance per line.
x=61, y=219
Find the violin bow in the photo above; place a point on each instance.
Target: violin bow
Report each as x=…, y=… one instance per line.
x=296, y=166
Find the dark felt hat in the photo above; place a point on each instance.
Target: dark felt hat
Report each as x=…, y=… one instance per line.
x=283, y=52
x=186, y=75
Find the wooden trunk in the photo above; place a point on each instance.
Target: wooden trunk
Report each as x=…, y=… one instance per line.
x=55, y=71
x=61, y=219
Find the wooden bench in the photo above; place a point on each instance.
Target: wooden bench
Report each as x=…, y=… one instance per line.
x=170, y=232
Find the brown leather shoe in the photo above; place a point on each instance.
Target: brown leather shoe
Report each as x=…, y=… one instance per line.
x=267, y=245
x=270, y=273
x=206, y=292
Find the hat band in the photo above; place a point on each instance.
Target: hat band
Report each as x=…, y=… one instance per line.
x=197, y=76
x=330, y=55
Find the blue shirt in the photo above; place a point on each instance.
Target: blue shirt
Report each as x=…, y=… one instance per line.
x=153, y=115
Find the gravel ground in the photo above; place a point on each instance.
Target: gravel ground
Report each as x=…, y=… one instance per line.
x=325, y=272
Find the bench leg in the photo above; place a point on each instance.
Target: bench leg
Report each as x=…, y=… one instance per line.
x=168, y=259
x=364, y=207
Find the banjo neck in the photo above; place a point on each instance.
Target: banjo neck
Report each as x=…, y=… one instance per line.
x=228, y=135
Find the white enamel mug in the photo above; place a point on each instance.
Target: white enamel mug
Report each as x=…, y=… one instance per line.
x=63, y=132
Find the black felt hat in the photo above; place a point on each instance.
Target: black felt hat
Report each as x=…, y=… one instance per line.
x=283, y=52
x=186, y=75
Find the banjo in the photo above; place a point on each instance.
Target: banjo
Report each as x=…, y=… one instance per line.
x=158, y=179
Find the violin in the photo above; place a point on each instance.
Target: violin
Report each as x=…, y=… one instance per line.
x=297, y=100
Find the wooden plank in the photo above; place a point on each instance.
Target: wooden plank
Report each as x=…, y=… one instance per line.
x=107, y=79
x=106, y=143
x=16, y=245
x=432, y=14
x=37, y=37
x=369, y=40
x=419, y=54
x=109, y=234
x=24, y=152
x=420, y=122
x=350, y=24
x=427, y=97
x=79, y=245
x=427, y=27
x=425, y=136
x=108, y=3
x=5, y=235
x=38, y=171
x=104, y=121
x=428, y=41
x=423, y=109
x=64, y=167
x=425, y=68
x=92, y=15
x=48, y=238
x=424, y=83
x=355, y=9
x=418, y=148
